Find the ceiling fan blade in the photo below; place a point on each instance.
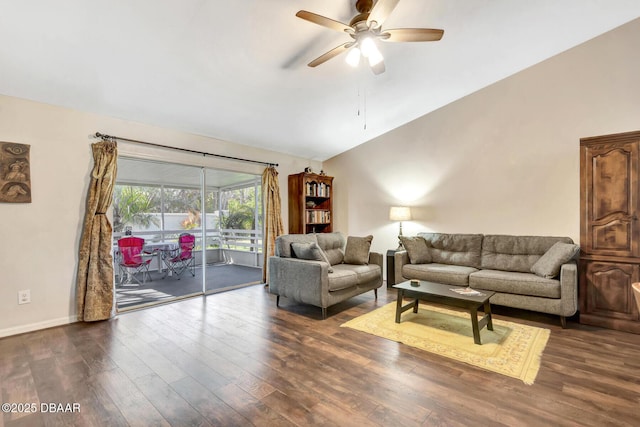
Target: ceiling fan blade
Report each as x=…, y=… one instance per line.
x=333, y=52
x=381, y=10
x=323, y=21
x=411, y=35
x=378, y=68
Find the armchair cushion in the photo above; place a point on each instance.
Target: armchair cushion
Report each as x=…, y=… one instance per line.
x=515, y=253
x=357, y=250
x=342, y=279
x=333, y=246
x=349, y=275
x=310, y=251
x=454, y=249
x=548, y=266
x=516, y=283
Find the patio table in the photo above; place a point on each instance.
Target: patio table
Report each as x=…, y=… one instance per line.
x=159, y=247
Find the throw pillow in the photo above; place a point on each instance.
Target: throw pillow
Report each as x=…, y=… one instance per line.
x=357, y=250
x=548, y=266
x=417, y=249
x=310, y=251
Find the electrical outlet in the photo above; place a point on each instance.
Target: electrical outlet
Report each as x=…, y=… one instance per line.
x=24, y=297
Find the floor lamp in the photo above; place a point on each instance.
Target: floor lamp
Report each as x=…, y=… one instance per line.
x=400, y=213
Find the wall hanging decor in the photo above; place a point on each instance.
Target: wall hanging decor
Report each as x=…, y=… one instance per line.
x=15, y=173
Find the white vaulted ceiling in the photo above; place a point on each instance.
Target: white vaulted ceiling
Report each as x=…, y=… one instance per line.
x=236, y=70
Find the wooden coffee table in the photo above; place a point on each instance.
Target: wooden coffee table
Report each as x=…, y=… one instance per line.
x=442, y=294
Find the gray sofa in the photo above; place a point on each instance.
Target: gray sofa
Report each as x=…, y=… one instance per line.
x=326, y=282
x=521, y=270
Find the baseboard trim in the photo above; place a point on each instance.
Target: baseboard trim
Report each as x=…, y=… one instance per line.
x=16, y=330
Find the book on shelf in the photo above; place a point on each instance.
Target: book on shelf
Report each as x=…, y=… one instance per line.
x=318, y=216
x=317, y=189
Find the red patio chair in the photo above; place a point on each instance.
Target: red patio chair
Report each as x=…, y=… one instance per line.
x=182, y=258
x=131, y=260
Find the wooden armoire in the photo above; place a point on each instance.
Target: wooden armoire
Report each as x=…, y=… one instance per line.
x=610, y=230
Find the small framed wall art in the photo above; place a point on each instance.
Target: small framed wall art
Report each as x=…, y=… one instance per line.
x=15, y=173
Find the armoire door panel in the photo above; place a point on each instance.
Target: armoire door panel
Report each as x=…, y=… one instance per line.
x=615, y=235
x=609, y=199
x=611, y=176
x=608, y=288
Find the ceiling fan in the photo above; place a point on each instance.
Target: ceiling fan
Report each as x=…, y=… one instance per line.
x=365, y=28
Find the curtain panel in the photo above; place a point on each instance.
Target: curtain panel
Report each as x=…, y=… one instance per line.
x=273, y=216
x=95, y=265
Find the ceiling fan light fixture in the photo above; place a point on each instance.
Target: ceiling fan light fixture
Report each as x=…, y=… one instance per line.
x=375, y=57
x=368, y=46
x=353, y=57
x=365, y=29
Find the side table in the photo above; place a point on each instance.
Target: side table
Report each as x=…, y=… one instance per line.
x=391, y=266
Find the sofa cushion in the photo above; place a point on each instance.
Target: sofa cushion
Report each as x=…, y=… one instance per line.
x=549, y=264
x=439, y=273
x=515, y=253
x=417, y=249
x=333, y=246
x=310, y=251
x=515, y=283
x=342, y=278
x=364, y=273
x=283, y=243
x=454, y=249
x=357, y=250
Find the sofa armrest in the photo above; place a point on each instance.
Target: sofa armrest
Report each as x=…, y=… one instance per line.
x=376, y=258
x=569, y=288
x=401, y=258
x=302, y=280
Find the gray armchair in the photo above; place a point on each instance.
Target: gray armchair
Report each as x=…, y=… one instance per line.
x=324, y=281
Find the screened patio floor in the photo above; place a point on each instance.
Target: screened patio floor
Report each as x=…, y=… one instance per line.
x=220, y=277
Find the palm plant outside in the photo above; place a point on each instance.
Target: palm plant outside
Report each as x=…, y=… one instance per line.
x=138, y=206
x=133, y=206
x=240, y=212
x=240, y=217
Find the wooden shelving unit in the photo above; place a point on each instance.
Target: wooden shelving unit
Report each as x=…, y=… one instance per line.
x=310, y=203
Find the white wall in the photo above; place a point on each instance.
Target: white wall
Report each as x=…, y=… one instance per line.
x=502, y=160
x=39, y=248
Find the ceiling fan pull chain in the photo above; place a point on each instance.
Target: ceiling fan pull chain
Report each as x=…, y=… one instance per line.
x=365, y=110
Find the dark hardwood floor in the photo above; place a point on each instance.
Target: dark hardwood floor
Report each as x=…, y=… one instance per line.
x=234, y=359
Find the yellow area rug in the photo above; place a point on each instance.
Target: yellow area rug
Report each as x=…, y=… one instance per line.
x=510, y=349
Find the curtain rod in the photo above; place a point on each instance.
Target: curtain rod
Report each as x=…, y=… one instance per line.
x=106, y=137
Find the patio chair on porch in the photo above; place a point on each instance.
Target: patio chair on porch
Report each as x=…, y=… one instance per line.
x=131, y=260
x=181, y=259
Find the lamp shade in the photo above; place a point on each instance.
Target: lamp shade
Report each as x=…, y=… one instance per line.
x=400, y=213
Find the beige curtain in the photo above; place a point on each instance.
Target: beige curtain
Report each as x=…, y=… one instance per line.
x=273, y=216
x=95, y=264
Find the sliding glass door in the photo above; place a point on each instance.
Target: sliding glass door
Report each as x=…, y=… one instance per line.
x=160, y=202
x=234, y=230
